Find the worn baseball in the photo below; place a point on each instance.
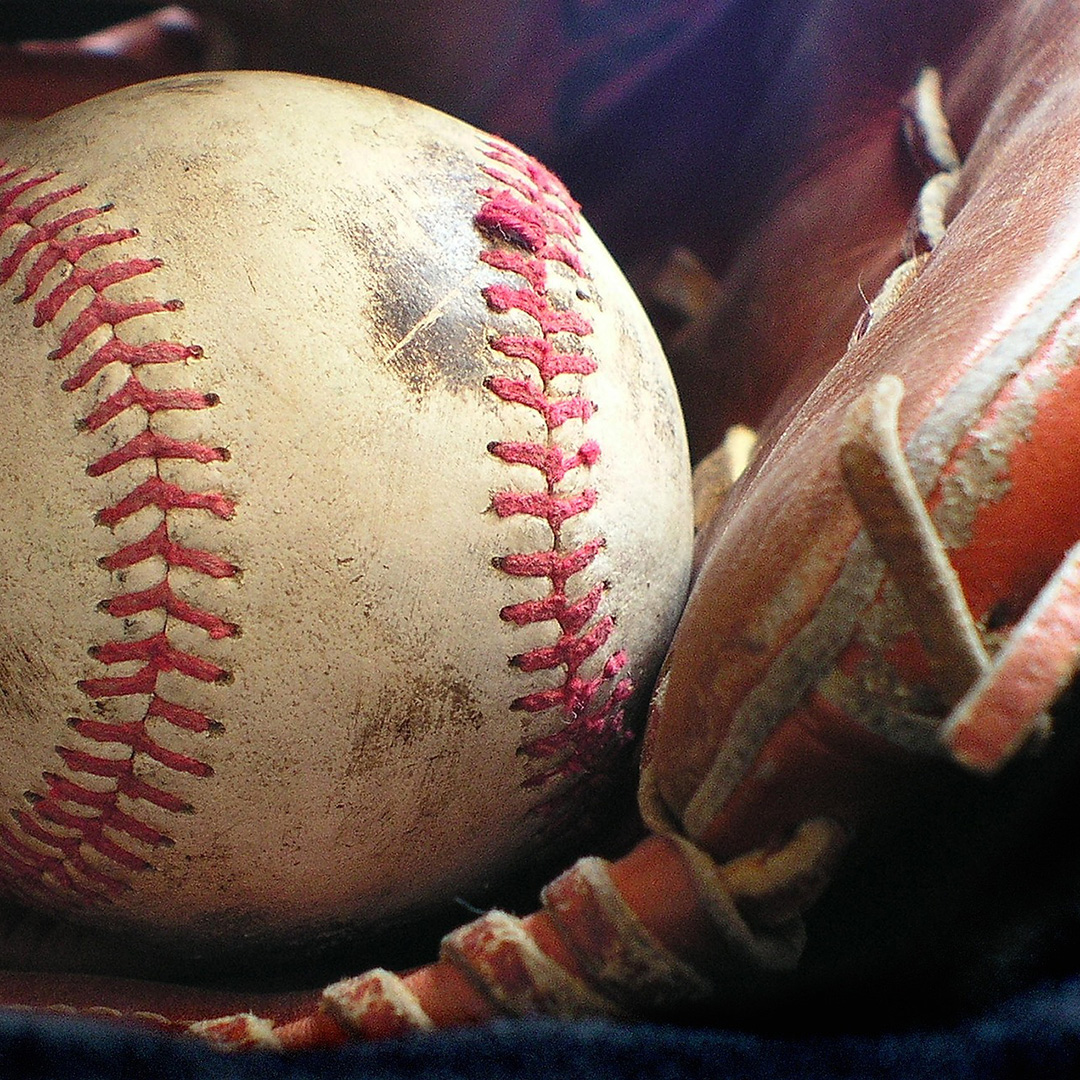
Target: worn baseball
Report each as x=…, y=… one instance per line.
x=345, y=512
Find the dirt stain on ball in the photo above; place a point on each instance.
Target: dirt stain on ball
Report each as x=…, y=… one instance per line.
x=432, y=327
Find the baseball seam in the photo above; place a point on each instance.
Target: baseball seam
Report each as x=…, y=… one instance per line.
x=531, y=221
x=51, y=841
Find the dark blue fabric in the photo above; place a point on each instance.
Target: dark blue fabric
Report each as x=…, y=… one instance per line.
x=1036, y=1034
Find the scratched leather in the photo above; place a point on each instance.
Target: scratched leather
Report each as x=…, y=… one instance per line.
x=795, y=292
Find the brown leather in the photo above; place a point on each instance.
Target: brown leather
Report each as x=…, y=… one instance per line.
x=771, y=555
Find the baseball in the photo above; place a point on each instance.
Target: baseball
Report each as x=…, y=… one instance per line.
x=346, y=512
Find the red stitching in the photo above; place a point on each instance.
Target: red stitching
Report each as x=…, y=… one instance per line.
x=67, y=869
x=531, y=221
x=502, y=298
x=149, y=444
x=526, y=392
x=543, y=355
x=134, y=393
x=45, y=850
x=162, y=596
x=116, y=351
x=158, y=543
x=165, y=497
